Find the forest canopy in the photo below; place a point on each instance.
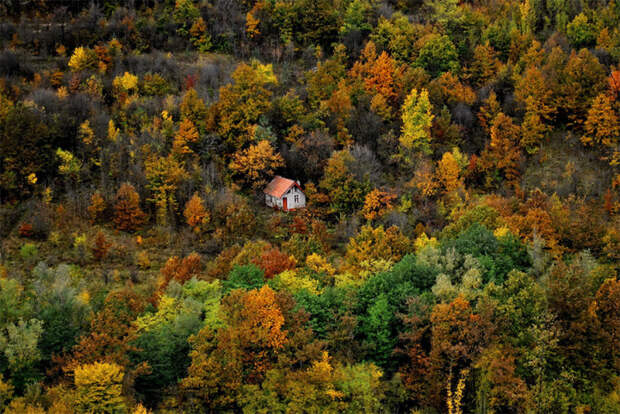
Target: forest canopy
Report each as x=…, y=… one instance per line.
x=459, y=247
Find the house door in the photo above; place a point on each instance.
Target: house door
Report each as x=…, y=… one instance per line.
x=284, y=204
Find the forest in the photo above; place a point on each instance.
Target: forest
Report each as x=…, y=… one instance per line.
x=458, y=253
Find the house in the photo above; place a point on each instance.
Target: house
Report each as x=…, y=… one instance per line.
x=285, y=194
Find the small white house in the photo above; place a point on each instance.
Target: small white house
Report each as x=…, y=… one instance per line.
x=284, y=194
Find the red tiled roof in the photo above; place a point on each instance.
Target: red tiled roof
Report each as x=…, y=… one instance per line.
x=278, y=186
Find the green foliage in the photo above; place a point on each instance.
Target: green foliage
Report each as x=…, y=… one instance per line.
x=19, y=346
x=244, y=277
x=356, y=17
x=497, y=256
x=437, y=55
x=580, y=32
x=29, y=251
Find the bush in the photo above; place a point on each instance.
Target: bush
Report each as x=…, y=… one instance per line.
x=245, y=277
x=28, y=251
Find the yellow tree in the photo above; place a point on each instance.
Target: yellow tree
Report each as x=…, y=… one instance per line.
x=602, y=127
x=417, y=121
x=256, y=164
x=242, y=103
x=448, y=171
x=164, y=176
x=99, y=388
x=533, y=90
x=187, y=134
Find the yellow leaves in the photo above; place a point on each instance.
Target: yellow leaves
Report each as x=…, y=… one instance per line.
x=423, y=240
x=375, y=243
x=256, y=164
x=293, y=282
x=61, y=50
x=126, y=83
x=318, y=264
x=455, y=398
x=140, y=409
x=187, y=134
x=86, y=133
x=500, y=232
x=377, y=203
x=69, y=164
x=84, y=297
x=448, y=171
x=417, y=120
x=62, y=92
x=32, y=179
x=252, y=22
x=83, y=58
x=99, y=387
x=254, y=74
x=602, y=127
x=113, y=132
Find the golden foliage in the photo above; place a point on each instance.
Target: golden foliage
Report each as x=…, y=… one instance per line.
x=99, y=387
x=257, y=164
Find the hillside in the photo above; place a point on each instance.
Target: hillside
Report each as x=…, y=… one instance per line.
x=458, y=251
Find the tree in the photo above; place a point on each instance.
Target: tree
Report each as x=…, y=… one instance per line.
x=193, y=109
x=19, y=344
x=377, y=203
x=83, y=58
x=580, y=32
x=99, y=388
x=195, y=213
x=437, y=55
x=165, y=175
x=448, y=171
x=356, y=17
x=503, y=152
x=96, y=207
x=245, y=277
x=602, y=127
x=241, y=104
x=533, y=90
x=485, y=66
x=127, y=213
x=256, y=164
x=180, y=270
x=376, y=243
x=346, y=192
x=186, y=136
x=242, y=351
x=417, y=121
x=582, y=79
x=273, y=262
x=458, y=336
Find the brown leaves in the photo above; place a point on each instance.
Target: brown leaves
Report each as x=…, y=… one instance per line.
x=128, y=216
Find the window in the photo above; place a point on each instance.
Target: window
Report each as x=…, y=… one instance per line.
x=296, y=198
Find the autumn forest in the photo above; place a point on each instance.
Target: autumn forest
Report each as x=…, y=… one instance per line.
x=458, y=251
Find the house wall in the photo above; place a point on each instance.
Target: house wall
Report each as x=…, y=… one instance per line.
x=290, y=199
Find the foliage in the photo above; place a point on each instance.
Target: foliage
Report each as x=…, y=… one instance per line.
x=417, y=121
x=127, y=213
x=99, y=388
